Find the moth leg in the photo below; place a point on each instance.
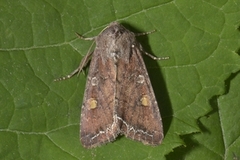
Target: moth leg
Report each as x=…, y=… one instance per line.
x=144, y=33
x=155, y=58
x=151, y=56
x=68, y=76
x=83, y=63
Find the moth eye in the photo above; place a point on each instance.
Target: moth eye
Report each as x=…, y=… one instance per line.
x=91, y=103
x=117, y=32
x=140, y=79
x=145, y=100
x=94, y=81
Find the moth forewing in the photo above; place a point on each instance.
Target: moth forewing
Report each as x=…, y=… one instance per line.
x=138, y=109
x=98, y=124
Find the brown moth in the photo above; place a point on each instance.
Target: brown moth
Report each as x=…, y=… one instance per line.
x=118, y=97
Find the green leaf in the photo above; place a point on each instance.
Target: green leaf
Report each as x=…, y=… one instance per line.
x=197, y=89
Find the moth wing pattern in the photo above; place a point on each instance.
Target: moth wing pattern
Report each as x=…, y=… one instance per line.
x=98, y=124
x=138, y=109
x=118, y=98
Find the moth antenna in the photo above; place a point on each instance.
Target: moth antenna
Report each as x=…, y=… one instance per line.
x=84, y=38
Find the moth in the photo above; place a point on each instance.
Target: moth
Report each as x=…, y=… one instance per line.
x=118, y=97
